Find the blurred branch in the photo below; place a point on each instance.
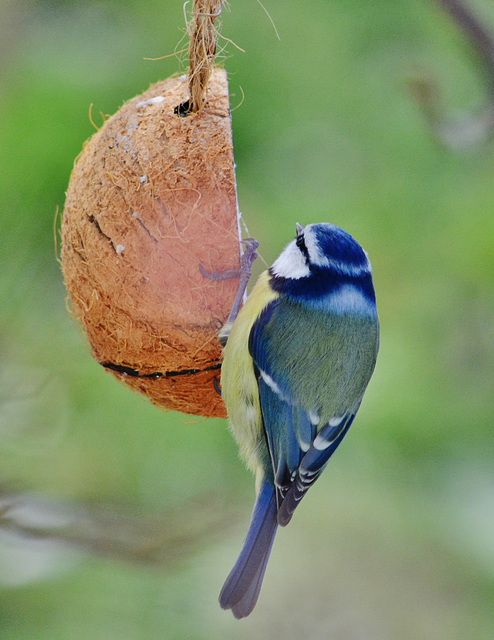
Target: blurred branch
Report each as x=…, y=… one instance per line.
x=479, y=34
x=122, y=534
x=458, y=133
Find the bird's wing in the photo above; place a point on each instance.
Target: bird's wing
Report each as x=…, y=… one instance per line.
x=299, y=447
x=311, y=466
x=288, y=430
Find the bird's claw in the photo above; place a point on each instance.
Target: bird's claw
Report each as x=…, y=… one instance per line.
x=249, y=255
x=243, y=274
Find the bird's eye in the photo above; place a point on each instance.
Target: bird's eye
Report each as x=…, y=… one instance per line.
x=300, y=242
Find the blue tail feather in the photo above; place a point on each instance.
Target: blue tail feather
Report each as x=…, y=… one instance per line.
x=245, y=606
x=241, y=588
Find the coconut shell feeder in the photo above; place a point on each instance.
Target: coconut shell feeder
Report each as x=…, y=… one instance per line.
x=150, y=205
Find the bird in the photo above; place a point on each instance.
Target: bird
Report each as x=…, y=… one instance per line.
x=297, y=360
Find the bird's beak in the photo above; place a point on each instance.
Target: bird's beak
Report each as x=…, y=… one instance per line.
x=300, y=228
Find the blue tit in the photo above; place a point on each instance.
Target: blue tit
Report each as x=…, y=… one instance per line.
x=297, y=360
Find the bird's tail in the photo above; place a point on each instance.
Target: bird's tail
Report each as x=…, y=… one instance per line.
x=241, y=588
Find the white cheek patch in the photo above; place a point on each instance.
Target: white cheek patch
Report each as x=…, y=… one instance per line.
x=315, y=255
x=291, y=263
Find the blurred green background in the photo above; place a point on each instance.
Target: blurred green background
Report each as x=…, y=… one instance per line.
x=120, y=521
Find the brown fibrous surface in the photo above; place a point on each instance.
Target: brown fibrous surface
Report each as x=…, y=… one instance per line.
x=151, y=198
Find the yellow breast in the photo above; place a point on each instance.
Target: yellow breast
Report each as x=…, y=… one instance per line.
x=238, y=382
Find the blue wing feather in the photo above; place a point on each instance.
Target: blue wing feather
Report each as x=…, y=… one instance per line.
x=329, y=438
x=311, y=467
x=305, y=431
x=257, y=341
x=284, y=448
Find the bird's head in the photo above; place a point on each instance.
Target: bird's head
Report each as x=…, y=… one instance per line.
x=319, y=247
x=321, y=258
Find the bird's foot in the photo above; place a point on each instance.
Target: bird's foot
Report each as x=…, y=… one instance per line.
x=243, y=274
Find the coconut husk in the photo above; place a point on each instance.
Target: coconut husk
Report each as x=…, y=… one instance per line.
x=151, y=198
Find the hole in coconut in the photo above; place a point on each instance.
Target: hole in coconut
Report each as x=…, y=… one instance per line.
x=183, y=110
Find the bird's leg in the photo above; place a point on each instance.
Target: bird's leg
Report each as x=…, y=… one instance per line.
x=246, y=261
x=243, y=274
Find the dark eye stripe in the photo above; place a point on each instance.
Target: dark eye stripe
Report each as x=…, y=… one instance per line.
x=300, y=242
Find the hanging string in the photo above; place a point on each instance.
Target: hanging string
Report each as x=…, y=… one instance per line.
x=202, y=49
